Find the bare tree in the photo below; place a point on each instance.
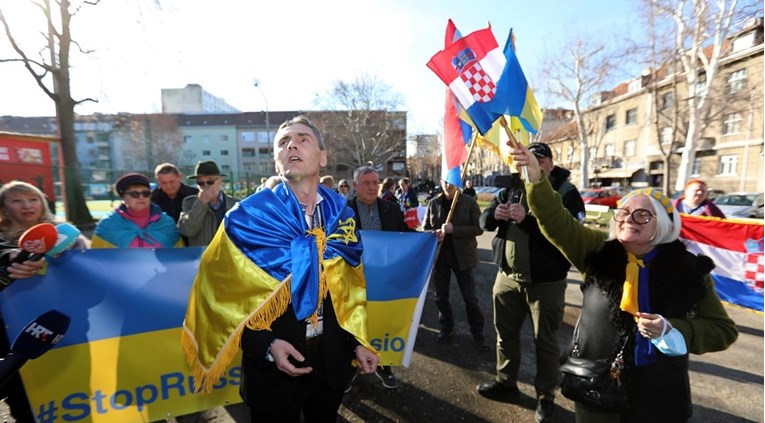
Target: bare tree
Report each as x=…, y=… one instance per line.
x=701, y=28
x=426, y=164
x=149, y=139
x=364, y=125
x=50, y=69
x=575, y=75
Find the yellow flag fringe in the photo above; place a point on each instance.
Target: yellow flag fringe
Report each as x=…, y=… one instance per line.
x=260, y=319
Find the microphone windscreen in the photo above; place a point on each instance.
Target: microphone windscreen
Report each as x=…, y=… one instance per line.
x=67, y=235
x=41, y=334
x=39, y=238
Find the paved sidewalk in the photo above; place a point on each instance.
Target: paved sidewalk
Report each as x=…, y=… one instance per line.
x=440, y=384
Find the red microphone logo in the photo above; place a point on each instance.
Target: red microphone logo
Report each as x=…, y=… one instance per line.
x=39, y=238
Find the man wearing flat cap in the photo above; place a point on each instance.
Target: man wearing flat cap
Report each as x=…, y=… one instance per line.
x=202, y=213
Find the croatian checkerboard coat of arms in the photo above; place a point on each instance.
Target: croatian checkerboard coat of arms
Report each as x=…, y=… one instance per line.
x=478, y=82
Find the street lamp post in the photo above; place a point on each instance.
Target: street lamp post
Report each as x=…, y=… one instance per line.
x=256, y=84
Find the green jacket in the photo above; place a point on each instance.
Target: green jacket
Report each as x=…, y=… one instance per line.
x=709, y=329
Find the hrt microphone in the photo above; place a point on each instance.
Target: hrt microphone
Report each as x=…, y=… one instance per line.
x=34, y=243
x=67, y=235
x=37, y=338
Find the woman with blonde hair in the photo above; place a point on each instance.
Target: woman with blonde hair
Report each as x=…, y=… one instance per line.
x=22, y=205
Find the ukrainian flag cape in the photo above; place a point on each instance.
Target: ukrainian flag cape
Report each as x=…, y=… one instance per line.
x=263, y=260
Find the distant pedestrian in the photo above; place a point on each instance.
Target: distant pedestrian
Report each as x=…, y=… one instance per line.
x=328, y=181
x=694, y=200
x=458, y=254
x=469, y=190
x=387, y=190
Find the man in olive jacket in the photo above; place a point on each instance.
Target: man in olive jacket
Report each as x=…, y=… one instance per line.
x=202, y=213
x=459, y=254
x=531, y=281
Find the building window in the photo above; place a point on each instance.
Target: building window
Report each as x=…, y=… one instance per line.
x=629, y=148
x=248, y=152
x=701, y=86
x=264, y=151
x=696, y=168
x=631, y=117
x=666, y=136
x=634, y=85
x=610, y=150
x=264, y=137
x=205, y=152
x=205, y=139
x=186, y=139
x=224, y=137
x=737, y=81
x=667, y=101
x=727, y=165
x=744, y=42
x=610, y=122
x=224, y=152
x=570, y=154
x=732, y=123
x=593, y=152
x=248, y=136
x=226, y=168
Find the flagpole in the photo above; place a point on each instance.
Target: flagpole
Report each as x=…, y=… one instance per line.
x=457, y=193
x=515, y=144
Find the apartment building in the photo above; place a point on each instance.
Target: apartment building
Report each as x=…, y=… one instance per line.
x=630, y=128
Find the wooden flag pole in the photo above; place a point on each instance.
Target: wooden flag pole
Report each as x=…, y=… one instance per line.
x=457, y=193
x=515, y=144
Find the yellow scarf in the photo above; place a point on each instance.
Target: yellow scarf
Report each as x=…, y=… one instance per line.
x=630, y=291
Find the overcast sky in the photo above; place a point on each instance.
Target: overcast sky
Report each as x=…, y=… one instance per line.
x=294, y=48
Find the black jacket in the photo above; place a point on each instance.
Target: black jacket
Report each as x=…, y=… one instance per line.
x=172, y=206
x=391, y=218
x=534, y=258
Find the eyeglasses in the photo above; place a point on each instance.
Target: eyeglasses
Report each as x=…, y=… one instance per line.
x=639, y=216
x=137, y=194
x=343, y=186
x=208, y=183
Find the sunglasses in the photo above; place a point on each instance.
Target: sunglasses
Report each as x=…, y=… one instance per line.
x=138, y=194
x=208, y=183
x=343, y=186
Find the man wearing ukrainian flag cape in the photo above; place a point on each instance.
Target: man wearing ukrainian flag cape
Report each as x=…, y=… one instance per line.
x=283, y=280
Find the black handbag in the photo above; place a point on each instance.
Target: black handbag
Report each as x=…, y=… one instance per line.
x=594, y=382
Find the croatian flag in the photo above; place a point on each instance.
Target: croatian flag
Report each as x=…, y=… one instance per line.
x=736, y=246
x=487, y=81
x=457, y=132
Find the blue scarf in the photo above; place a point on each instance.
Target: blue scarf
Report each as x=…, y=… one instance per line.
x=120, y=231
x=645, y=352
x=270, y=229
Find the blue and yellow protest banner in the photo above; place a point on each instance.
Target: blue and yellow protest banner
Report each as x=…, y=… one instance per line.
x=121, y=359
x=397, y=268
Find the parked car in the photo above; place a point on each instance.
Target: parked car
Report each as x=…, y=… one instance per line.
x=741, y=204
x=712, y=193
x=601, y=196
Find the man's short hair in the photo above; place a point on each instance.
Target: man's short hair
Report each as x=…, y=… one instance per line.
x=327, y=178
x=363, y=170
x=165, y=168
x=404, y=180
x=304, y=121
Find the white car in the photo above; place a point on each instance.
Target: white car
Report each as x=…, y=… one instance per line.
x=741, y=204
